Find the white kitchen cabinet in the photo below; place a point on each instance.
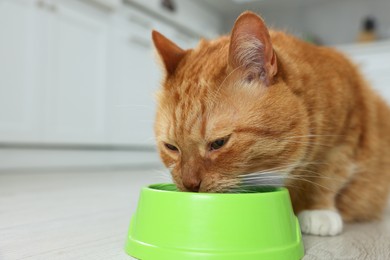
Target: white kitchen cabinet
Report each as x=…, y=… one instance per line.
x=76, y=82
x=22, y=44
x=135, y=77
x=75, y=72
x=53, y=66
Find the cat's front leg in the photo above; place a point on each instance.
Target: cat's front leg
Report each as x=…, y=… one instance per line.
x=315, y=208
x=314, y=190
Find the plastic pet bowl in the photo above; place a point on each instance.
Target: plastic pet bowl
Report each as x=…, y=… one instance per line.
x=172, y=225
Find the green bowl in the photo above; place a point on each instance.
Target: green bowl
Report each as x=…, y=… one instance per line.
x=172, y=225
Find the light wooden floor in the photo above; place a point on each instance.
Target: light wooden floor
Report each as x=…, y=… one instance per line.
x=51, y=216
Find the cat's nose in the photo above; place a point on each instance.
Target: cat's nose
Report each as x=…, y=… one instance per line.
x=192, y=184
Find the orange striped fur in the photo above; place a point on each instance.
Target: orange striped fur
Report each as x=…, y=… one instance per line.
x=280, y=103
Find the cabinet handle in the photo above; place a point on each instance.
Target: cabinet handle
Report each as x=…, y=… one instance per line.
x=140, y=42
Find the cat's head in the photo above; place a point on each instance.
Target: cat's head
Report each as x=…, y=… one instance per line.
x=225, y=110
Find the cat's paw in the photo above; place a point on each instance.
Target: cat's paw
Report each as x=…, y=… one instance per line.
x=320, y=222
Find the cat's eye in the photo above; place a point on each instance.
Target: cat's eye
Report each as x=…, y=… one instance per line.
x=217, y=144
x=171, y=147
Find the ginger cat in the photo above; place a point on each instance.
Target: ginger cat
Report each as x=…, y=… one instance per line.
x=261, y=101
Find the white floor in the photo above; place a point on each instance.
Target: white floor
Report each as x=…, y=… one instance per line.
x=65, y=215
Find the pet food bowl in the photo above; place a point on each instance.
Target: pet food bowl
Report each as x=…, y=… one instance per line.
x=172, y=225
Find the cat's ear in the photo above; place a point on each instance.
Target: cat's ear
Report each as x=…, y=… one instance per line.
x=170, y=53
x=251, y=48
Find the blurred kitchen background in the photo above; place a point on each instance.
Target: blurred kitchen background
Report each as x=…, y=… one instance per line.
x=77, y=77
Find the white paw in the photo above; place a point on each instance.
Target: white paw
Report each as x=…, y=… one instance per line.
x=320, y=222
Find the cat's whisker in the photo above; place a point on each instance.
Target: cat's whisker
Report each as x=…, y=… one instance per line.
x=312, y=135
x=264, y=174
x=276, y=175
x=306, y=163
x=285, y=166
x=295, y=187
x=320, y=177
x=267, y=177
x=309, y=144
x=283, y=143
x=279, y=178
x=314, y=173
x=311, y=182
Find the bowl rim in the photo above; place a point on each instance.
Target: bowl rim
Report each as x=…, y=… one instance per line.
x=157, y=188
